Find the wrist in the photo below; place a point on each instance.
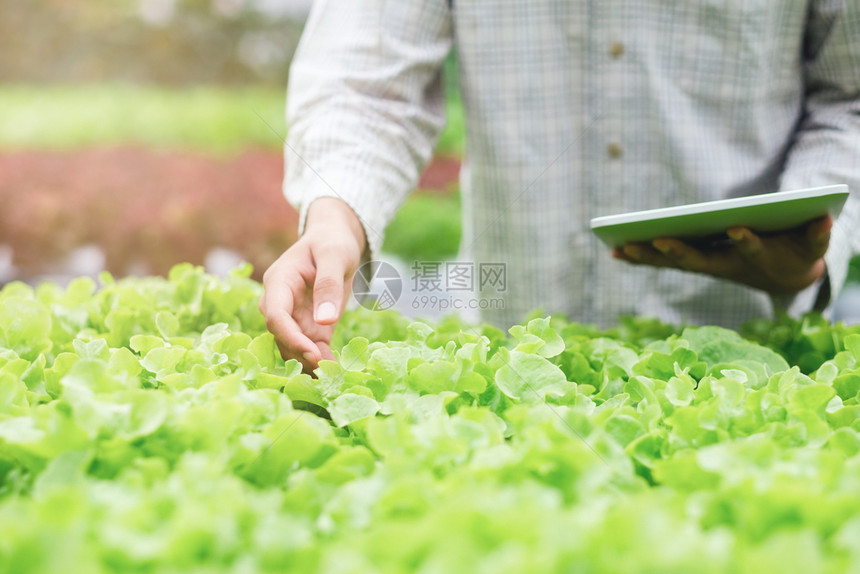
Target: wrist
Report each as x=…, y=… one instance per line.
x=327, y=213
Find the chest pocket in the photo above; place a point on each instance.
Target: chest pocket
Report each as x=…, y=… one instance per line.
x=738, y=50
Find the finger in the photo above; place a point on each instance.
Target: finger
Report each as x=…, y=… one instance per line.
x=818, y=235
x=325, y=351
x=277, y=306
x=307, y=360
x=628, y=252
x=748, y=244
x=309, y=365
x=682, y=255
x=328, y=289
x=291, y=340
x=642, y=254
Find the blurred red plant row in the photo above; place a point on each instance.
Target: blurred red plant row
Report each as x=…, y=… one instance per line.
x=147, y=210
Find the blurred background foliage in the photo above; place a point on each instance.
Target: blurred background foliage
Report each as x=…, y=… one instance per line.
x=212, y=119
x=200, y=74
x=209, y=118
x=165, y=42
x=135, y=134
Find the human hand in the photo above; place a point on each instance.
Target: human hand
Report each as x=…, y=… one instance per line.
x=780, y=264
x=306, y=289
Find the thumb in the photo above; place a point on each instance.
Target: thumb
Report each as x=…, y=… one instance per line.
x=328, y=290
x=818, y=234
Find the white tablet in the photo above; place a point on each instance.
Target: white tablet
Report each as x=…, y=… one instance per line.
x=766, y=213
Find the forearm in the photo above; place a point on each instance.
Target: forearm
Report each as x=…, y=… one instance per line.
x=329, y=213
x=365, y=106
x=826, y=148
x=825, y=155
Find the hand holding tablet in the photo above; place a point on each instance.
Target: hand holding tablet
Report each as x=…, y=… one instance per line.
x=767, y=213
x=774, y=242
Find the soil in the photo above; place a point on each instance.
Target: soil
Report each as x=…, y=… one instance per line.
x=144, y=210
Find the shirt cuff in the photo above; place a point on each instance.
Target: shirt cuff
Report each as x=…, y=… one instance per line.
x=301, y=194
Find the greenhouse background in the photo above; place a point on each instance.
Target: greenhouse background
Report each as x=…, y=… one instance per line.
x=150, y=424
x=141, y=133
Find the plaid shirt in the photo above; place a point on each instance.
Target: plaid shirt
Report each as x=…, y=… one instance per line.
x=576, y=109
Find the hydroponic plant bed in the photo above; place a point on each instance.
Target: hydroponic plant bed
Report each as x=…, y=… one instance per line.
x=148, y=425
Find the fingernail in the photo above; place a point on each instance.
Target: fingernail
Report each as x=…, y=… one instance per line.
x=735, y=234
x=326, y=312
x=309, y=356
x=662, y=247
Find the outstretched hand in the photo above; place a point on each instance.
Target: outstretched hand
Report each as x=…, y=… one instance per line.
x=780, y=264
x=307, y=288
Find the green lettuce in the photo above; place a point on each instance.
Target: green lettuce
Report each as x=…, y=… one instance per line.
x=150, y=425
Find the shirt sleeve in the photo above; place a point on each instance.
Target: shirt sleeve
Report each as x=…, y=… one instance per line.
x=826, y=149
x=365, y=105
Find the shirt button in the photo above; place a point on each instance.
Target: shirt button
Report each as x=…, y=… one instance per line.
x=616, y=49
x=613, y=150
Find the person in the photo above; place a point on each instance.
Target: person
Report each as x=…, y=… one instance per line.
x=573, y=110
